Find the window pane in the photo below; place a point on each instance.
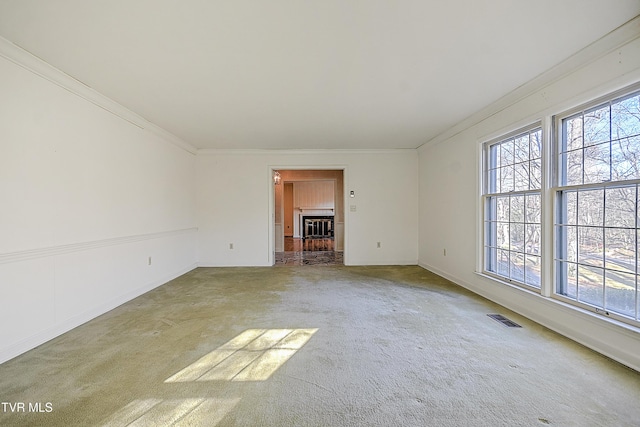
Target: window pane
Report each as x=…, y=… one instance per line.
x=532, y=272
x=536, y=174
x=502, y=235
x=536, y=144
x=517, y=209
x=597, y=163
x=489, y=232
x=596, y=126
x=522, y=148
x=591, y=207
x=490, y=209
x=625, y=117
x=590, y=246
x=590, y=285
x=506, y=154
x=517, y=267
x=574, y=168
x=532, y=239
x=572, y=207
x=573, y=133
x=503, y=263
x=490, y=259
x=506, y=179
x=620, y=293
x=533, y=207
x=620, y=207
x=492, y=181
x=494, y=156
x=571, y=288
x=521, y=176
x=620, y=247
x=517, y=237
x=571, y=253
x=502, y=209
x=625, y=158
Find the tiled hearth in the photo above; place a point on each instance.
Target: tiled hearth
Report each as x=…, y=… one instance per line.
x=309, y=258
x=308, y=252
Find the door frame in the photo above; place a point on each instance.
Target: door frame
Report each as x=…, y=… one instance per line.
x=271, y=206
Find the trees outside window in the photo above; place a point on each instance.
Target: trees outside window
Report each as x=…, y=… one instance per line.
x=512, y=207
x=597, y=198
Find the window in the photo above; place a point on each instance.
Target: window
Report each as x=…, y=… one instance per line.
x=596, y=220
x=512, y=207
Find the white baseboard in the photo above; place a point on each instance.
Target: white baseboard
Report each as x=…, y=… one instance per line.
x=212, y=264
x=380, y=263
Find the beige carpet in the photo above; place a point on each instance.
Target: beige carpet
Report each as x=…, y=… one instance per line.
x=314, y=346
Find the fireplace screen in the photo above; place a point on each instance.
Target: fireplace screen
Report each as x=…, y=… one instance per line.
x=317, y=227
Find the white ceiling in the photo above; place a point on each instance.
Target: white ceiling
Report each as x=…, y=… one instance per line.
x=298, y=74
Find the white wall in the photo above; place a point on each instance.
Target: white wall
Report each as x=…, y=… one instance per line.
x=449, y=188
x=235, y=204
x=86, y=197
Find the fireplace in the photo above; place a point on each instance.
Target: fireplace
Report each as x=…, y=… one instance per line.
x=317, y=227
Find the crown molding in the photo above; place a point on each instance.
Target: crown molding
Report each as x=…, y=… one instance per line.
x=39, y=67
x=608, y=43
x=284, y=152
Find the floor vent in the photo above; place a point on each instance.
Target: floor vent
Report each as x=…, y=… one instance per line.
x=506, y=322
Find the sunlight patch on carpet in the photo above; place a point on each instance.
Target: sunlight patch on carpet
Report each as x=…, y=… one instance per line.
x=253, y=355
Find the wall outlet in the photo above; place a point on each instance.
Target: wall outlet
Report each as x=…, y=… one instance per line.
x=230, y=245
x=378, y=244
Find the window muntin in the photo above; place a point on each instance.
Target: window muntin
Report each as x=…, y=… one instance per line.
x=512, y=220
x=596, y=222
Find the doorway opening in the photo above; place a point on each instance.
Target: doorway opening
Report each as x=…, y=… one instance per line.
x=309, y=217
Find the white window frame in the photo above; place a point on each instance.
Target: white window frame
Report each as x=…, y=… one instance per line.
x=560, y=188
x=488, y=195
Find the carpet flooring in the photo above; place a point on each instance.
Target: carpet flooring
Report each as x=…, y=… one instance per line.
x=314, y=346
